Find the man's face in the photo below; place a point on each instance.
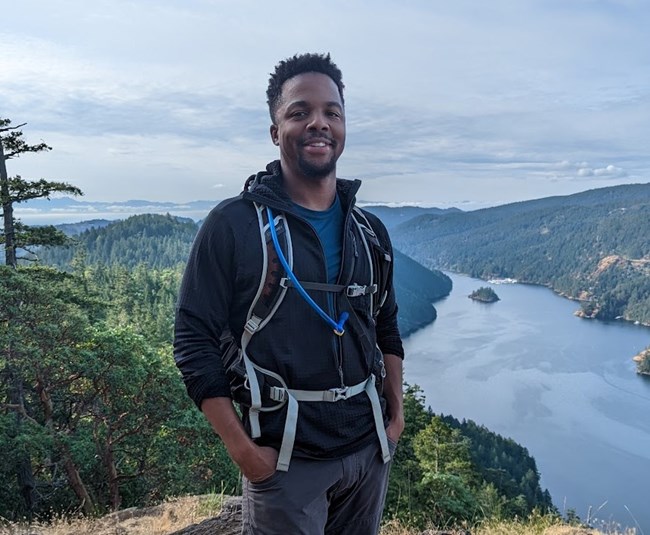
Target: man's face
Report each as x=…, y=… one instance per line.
x=309, y=125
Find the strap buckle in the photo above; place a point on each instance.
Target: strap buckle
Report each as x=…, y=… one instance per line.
x=252, y=325
x=355, y=290
x=341, y=393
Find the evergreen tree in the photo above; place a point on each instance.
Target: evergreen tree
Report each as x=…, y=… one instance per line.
x=14, y=235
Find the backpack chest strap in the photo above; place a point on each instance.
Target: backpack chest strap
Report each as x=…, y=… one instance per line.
x=352, y=290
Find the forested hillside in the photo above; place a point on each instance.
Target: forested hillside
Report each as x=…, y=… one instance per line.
x=417, y=288
x=591, y=246
x=163, y=242
x=156, y=240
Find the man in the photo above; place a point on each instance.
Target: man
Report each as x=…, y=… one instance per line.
x=312, y=446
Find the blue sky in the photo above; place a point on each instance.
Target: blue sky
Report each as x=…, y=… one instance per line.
x=448, y=103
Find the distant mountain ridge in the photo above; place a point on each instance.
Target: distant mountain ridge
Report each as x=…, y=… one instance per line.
x=392, y=216
x=58, y=210
x=592, y=246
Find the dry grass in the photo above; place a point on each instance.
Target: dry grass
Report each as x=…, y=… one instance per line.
x=176, y=514
x=538, y=525
x=161, y=519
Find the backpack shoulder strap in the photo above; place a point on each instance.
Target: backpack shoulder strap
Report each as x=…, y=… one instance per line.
x=269, y=296
x=378, y=257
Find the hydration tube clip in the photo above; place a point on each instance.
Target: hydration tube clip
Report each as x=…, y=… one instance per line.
x=339, y=330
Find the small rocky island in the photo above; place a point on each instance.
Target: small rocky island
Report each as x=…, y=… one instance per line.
x=643, y=362
x=484, y=295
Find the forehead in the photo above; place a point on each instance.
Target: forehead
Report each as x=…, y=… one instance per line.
x=310, y=87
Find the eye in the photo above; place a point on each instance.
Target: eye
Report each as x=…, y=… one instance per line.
x=298, y=114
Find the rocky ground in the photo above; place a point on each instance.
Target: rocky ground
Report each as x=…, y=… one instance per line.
x=228, y=522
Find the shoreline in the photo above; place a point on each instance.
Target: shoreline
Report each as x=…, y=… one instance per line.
x=505, y=280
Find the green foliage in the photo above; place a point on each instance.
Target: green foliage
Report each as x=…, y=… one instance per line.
x=505, y=465
x=103, y=416
x=403, y=499
x=443, y=450
x=592, y=246
x=448, y=480
x=146, y=294
x=23, y=190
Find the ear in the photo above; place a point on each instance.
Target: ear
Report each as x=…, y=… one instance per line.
x=273, y=130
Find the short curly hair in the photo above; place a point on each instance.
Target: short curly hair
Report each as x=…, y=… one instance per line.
x=299, y=64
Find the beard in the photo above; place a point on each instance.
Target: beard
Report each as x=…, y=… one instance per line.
x=317, y=171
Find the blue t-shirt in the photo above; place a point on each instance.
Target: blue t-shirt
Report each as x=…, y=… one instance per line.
x=329, y=227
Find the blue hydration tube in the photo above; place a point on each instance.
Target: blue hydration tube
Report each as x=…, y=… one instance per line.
x=338, y=327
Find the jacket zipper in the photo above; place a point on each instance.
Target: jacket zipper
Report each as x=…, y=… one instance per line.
x=331, y=305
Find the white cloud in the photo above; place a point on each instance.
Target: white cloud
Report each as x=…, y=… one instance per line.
x=610, y=171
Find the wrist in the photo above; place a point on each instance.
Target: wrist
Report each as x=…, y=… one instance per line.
x=241, y=450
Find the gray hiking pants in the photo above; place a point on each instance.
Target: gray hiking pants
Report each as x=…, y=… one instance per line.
x=316, y=497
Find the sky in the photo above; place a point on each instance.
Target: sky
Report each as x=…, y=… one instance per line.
x=463, y=103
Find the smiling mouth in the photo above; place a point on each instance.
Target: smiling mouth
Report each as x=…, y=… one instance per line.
x=319, y=142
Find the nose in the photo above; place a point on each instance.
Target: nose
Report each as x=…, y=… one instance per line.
x=318, y=121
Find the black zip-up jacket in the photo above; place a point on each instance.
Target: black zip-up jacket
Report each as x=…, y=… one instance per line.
x=219, y=284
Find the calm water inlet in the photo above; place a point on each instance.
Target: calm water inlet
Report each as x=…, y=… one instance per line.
x=563, y=387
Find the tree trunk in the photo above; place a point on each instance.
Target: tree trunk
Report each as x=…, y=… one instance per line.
x=76, y=482
x=72, y=473
x=111, y=469
x=24, y=472
x=8, y=212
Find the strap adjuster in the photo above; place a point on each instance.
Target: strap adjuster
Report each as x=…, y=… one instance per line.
x=341, y=393
x=252, y=324
x=277, y=393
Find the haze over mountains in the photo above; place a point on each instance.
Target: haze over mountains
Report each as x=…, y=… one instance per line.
x=70, y=210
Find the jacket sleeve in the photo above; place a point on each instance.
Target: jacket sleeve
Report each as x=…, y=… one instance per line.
x=202, y=310
x=389, y=339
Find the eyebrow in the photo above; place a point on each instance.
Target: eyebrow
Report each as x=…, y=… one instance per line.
x=301, y=103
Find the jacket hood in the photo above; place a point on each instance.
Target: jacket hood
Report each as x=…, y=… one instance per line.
x=266, y=187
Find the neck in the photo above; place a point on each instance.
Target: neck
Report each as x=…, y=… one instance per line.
x=312, y=193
